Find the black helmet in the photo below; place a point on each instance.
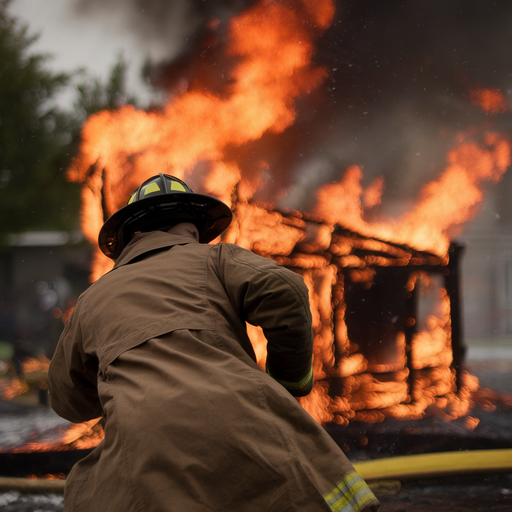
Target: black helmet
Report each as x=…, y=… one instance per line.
x=163, y=201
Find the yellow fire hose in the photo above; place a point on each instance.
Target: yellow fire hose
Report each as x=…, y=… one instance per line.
x=392, y=470
x=430, y=465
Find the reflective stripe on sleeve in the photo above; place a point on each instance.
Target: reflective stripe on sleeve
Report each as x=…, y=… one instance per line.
x=350, y=494
x=301, y=384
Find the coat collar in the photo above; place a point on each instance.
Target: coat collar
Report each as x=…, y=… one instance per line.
x=145, y=242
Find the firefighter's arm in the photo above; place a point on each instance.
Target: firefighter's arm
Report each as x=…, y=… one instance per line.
x=276, y=299
x=72, y=377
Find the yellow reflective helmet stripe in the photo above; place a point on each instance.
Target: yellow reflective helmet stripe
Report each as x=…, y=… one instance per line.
x=177, y=186
x=152, y=187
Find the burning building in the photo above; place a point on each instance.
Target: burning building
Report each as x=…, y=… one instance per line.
x=387, y=323
x=379, y=350
x=385, y=292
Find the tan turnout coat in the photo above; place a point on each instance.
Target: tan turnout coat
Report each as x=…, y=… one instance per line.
x=158, y=348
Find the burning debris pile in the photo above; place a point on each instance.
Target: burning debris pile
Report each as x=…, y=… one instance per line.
x=375, y=356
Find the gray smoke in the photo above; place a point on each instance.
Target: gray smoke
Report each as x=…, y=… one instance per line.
x=161, y=24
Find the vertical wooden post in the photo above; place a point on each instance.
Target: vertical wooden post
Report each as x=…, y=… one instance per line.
x=411, y=306
x=453, y=288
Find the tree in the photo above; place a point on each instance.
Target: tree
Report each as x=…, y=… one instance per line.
x=38, y=138
x=93, y=95
x=33, y=136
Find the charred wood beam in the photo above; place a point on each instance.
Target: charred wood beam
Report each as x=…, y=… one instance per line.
x=452, y=284
x=411, y=305
x=21, y=464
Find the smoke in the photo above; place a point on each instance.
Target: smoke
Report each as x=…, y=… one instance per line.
x=396, y=97
x=164, y=28
x=398, y=91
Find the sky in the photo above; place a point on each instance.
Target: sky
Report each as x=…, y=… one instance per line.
x=90, y=39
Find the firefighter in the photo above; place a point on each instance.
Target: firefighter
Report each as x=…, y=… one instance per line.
x=158, y=349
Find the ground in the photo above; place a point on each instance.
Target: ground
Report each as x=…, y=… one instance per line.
x=485, y=492
x=491, y=493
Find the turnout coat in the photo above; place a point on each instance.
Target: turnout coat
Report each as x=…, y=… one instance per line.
x=158, y=349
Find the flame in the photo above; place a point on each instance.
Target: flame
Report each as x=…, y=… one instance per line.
x=82, y=436
x=32, y=369
x=471, y=423
x=432, y=347
x=273, y=46
x=78, y=436
x=58, y=476
x=444, y=206
x=32, y=364
x=452, y=199
x=14, y=388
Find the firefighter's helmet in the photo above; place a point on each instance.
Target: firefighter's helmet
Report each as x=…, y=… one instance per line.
x=163, y=201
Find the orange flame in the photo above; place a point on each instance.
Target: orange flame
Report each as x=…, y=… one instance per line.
x=121, y=148
x=445, y=203
x=58, y=476
x=32, y=364
x=82, y=436
x=79, y=436
x=30, y=367
x=13, y=388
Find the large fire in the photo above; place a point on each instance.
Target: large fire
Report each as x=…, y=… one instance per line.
x=190, y=137
x=273, y=45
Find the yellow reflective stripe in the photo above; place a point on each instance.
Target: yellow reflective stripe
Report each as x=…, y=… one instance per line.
x=132, y=198
x=350, y=494
x=294, y=385
x=353, y=503
x=176, y=185
x=152, y=187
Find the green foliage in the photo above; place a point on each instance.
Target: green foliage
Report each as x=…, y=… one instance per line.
x=94, y=96
x=33, y=137
x=37, y=138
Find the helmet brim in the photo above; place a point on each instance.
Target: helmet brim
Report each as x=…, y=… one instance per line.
x=212, y=217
